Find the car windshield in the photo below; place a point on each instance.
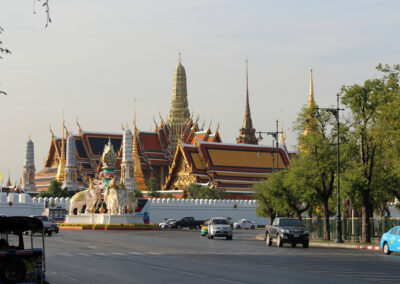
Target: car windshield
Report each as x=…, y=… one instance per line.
x=220, y=221
x=290, y=222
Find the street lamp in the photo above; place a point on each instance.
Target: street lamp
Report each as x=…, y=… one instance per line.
x=335, y=112
x=274, y=134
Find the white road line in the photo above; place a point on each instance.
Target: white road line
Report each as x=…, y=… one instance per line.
x=190, y=273
x=99, y=253
x=230, y=281
x=136, y=253
x=117, y=253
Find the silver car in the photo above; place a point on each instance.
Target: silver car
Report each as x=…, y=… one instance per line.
x=219, y=227
x=166, y=224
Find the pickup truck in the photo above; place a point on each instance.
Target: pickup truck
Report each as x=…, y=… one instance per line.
x=188, y=222
x=286, y=230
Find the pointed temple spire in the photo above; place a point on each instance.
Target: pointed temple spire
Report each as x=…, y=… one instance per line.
x=311, y=119
x=179, y=111
x=282, y=138
x=139, y=177
x=28, y=177
x=247, y=132
x=311, y=101
x=61, y=165
x=9, y=180
x=70, y=172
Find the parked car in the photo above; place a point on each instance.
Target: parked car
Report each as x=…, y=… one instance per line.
x=187, y=222
x=219, y=227
x=204, y=228
x=286, y=230
x=390, y=241
x=56, y=228
x=166, y=224
x=48, y=227
x=245, y=224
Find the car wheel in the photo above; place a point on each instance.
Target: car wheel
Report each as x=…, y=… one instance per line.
x=252, y=227
x=13, y=271
x=293, y=245
x=229, y=238
x=386, y=249
x=279, y=242
x=238, y=227
x=306, y=244
x=49, y=234
x=268, y=240
x=211, y=237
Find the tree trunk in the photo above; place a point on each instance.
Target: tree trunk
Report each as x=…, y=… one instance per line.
x=271, y=216
x=365, y=232
x=325, y=209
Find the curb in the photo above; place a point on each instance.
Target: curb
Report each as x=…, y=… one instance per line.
x=259, y=237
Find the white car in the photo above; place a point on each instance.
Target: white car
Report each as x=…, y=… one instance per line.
x=166, y=223
x=219, y=227
x=245, y=224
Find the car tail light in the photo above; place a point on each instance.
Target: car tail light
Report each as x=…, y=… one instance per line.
x=52, y=223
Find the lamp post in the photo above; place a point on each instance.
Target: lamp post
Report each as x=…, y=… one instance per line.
x=335, y=112
x=274, y=134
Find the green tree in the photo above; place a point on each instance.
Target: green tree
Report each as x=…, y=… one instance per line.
x=204, y=192
x=280, y=193
x=152, y=188
x=55, y=190
x=368, y=104
x=315, y=168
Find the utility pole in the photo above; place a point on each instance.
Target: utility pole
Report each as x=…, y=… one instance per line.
x=335, y=112
x=275, y=135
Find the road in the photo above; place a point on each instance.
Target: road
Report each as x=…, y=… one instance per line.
x=186, y=257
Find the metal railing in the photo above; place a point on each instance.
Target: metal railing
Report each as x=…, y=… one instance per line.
x=351, y=228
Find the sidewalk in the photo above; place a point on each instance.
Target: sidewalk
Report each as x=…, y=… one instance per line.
x=317, y=244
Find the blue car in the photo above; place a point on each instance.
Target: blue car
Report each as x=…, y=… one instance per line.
x=391, y=240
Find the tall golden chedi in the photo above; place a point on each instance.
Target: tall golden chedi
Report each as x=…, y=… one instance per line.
x=138, y=174
x=247, y=132
x=179, y=115
x=61, y=166
x=311, y=118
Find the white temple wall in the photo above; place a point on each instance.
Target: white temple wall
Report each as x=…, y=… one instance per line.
x=202, y=209
x=160, y=208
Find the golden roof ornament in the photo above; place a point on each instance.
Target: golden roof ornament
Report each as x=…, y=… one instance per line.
x=109, y=157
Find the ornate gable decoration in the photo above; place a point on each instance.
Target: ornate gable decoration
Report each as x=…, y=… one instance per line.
x=109, y=157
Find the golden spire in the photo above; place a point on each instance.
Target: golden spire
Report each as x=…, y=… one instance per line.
x=61, y=165
x=140, y=181
x=311, y=101
x=8, y=180
x=282, y=134
x=311, y=121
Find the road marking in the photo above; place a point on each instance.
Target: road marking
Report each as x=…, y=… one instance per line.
x=117, y=253
x=99, y=253
x=190, y=273
x=230, y=281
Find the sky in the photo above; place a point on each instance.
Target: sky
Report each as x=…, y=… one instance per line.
x=97, y=56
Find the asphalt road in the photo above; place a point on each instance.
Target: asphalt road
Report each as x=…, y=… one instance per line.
x=186, y=257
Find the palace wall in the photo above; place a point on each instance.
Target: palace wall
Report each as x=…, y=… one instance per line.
x=160, y=208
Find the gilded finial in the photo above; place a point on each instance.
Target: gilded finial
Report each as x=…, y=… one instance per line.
x=179, y=58
x=122, y=126
x=216, y=130
x=209, y=126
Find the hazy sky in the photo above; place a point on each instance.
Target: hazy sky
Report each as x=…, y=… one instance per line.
x=97, y=55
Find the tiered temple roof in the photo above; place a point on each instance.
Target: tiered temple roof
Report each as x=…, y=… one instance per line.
x=152, y=151
x=232, y=167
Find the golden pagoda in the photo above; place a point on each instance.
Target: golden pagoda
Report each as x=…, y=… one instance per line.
x=311, y=119
x=139, y=177
x=61, y=166
x=247, y=132
x=179, y=112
